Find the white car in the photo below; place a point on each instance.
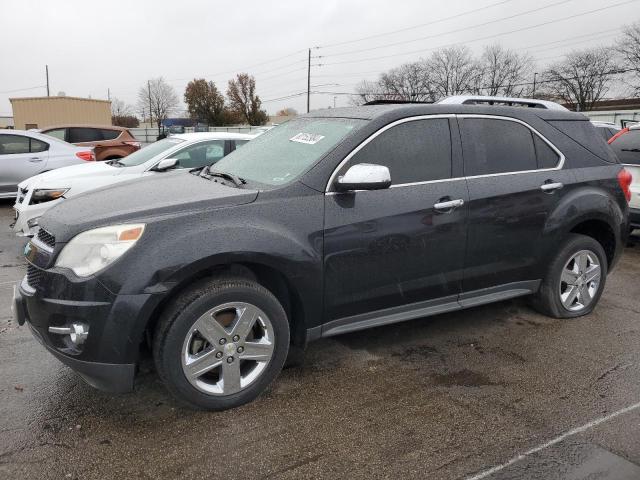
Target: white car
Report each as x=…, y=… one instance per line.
x=24, y=154
x=626, y=145
x=177, y=152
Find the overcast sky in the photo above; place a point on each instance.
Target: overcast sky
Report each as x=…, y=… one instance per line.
x=93, y=46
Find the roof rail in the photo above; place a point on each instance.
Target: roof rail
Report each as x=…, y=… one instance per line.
x=391, y=102
x=501, y=101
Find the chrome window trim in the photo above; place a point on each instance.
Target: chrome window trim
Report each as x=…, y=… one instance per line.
x=559, y=166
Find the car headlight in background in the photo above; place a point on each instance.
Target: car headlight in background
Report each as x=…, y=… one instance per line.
x=91, y=251
x=47, y=194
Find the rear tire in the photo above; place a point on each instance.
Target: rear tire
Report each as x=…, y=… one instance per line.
x=574, y=280
x=221, y=343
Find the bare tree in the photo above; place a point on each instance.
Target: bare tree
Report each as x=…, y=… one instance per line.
x=366, y=91
x=287, y=112
x=157, y=98
x=503, y=72
x=244, y=101
x=629, y=47
x=582, y=78
x=119, y=108
x=409, y=82
x=452, y=71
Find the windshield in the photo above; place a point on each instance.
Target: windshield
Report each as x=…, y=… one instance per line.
x=148, y=152
x=285, y=152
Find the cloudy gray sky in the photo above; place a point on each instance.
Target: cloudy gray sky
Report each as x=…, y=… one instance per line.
x=93, y=46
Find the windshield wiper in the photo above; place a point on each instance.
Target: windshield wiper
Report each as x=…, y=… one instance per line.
x=237, y=181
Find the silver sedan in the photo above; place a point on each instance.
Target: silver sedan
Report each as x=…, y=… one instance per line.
x=24, y=154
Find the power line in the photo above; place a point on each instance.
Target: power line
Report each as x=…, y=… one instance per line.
x=485, y=37
x=462, y=29
x=22, y=89
x=433, y=22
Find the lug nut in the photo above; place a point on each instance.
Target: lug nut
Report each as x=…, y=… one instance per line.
x=236, y=338
x=223, y=341
x=230, y=360
x=240, y=349
x=219, y=355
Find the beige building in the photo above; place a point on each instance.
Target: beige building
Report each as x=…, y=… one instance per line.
x=40, y=112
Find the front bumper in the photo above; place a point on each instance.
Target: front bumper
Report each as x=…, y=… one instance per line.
x=107, y=359
x=26, y=212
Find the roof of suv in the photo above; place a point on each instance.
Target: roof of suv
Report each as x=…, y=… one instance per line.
x=369, y=112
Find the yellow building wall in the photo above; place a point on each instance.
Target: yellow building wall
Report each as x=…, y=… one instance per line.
x=41, y=112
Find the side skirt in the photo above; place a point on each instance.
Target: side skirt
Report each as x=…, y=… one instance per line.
x=423, y=309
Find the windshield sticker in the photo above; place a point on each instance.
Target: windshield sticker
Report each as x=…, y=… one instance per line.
x=308, y=138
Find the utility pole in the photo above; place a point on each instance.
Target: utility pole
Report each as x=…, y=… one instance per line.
x=150, y=110
x=309, y=82
x=46, y=69
x=535, y=76
x=109, y=94
x=334, y=101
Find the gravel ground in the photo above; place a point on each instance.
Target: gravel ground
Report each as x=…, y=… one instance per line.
x=445, y=397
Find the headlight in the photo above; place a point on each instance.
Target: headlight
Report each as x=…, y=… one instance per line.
x=47, y=194
x=93, y=250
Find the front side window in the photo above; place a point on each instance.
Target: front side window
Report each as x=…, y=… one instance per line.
x=285, y=152
x=58, y=133
x=147, y=153
x=81, y=135
x=200, y=154
x=496, y=146
x=13, y=144
x=414, y=151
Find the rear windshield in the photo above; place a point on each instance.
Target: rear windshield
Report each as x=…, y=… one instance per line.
x=584, y=133
x=147, y=153
x=627, y=147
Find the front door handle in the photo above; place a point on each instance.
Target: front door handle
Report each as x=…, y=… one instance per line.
x=448, y=205
x=551, y=187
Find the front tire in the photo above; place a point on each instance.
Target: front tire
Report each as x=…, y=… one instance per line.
x=221, y=343
x=575, y=279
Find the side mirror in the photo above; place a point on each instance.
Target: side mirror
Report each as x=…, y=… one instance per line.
x=364, y=176
x=166, y=164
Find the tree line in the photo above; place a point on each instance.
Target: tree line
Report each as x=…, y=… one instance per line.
x=580, y=79
x=157, y=100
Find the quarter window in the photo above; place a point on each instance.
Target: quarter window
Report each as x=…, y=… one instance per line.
x=414, y=151
x=38, y=146
x=81, y=135
x=496, y=146
x=58, y=133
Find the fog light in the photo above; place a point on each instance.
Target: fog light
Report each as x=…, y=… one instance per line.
x=78, y=332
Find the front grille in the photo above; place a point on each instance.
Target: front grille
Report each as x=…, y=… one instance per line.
x=34, y=276
x=46, y=238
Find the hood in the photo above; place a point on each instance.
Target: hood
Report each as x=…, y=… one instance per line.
x=141, y=200
x=65, y=177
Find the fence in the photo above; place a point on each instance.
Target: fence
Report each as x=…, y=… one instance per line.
x=150, y=135
x=614, y=116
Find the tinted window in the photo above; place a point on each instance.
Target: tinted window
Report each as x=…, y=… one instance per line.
x=38, y=146
x=604, y=133
x=147, y=153
x=200, y=154
x=415, y=151
x=583, y=133
x=13, y=144
x=496, y=146
x=627, y=147
x=110, y=134
x=58, y=133
x=79, y=135
x=239, y=143
x=547, y=157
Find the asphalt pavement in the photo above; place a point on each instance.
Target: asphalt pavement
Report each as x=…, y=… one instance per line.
x=496, y=392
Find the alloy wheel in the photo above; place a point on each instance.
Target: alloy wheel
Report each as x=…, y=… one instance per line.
x=580, y=280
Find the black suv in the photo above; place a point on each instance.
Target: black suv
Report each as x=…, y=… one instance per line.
x=335, y=221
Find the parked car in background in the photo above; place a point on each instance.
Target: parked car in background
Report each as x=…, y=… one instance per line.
x=24, y=154
x=333, y=222
x=606, y=129
x=108, y=142
x=185, y=151
x=626, y=145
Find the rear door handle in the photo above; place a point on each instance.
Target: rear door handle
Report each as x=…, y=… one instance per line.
x=550, y=187
x=35, y=159
x=448, y=205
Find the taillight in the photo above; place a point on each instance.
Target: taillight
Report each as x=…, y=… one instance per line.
x=624, y=179
x=86, y=155
x=620, y=133
x=134, y=144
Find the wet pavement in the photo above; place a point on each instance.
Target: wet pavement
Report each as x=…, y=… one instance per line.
x=446, y=397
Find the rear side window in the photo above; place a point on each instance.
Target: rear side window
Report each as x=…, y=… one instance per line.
x=38, y=146
x=110, y=134
x=584, y=133
x=58, y=133
x=80, y=135
x=496, y=146
x=627, y=147
x=414, y=151
x=13, y=144
x=547, y=156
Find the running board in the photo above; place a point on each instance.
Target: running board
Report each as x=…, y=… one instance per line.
x=427, y=309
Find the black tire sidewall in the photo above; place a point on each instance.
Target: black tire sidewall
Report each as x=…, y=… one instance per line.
x=175, y=334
